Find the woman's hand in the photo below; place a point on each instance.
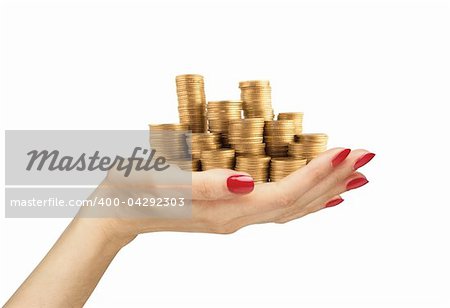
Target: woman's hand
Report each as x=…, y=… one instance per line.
x=224, y=201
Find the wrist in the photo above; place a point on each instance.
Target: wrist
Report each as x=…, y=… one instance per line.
x=103, y=230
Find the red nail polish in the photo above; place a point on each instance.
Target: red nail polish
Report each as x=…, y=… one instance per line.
x=363, y=160
x=240, y=184
x=340, y=157
x=355, y=183
x=334, y=202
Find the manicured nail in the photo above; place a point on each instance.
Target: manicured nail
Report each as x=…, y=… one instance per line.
x=334, y=202
x=363, y=160
x=340, y=157
x=240, y=184
x=355, y=183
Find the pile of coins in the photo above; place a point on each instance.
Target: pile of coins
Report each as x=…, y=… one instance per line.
x=256, y=96
x=308, y=146
x=256, y=166
x=219, y=137
x=192, y=102
x=169, y=140
x=281, y=167
x=221, y=158
x=277, y=136
x=219, y=114
x=297, y=117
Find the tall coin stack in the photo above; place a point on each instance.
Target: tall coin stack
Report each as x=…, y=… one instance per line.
x=198, y=142
x=308, y=146
x=297, y=117
x=277, y=136
x=246, y=136
x=257, y=99
x=281, y=167
x=219, y=115
x=192, y=102
x=221, y=158
x=256, y=166
x=169, y=140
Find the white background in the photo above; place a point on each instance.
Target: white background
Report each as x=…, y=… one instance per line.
x=372, y=74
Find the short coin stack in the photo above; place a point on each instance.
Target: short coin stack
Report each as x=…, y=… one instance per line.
x=281, y=167
x=256, y=166
x=198, y=142
x=277, y=136
x=169, y=140
x=297, y=117
x=246, y=136
x=219, y=115
x=308, y=146
x=192, y=102
x=221, y=158
x=257, y=99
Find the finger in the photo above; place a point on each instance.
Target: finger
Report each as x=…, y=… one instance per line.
x=331, y=202
x=354, y=181
x=301, y=181
x=219, y=184
x=333, y=180
x=330, y=199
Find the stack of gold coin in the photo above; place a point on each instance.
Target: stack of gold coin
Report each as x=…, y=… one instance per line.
x=198, y=142
x=256, y=166
x=250, y=149
x=245, y=131
x=277, y=136
x=297, y=117
x=308, y=146
x=221, y=158
x=192, y=102
x=169, y=140
x=283, y=166
x=220, y=113
x=257, y=99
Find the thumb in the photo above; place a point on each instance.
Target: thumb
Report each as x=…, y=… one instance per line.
x=220, y=184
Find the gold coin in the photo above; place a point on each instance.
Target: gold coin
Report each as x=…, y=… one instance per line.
x=308, y=146
x=192, y=102
x=254, y=83
x=283, y=166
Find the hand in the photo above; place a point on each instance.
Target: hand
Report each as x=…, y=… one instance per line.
x=221, y=203
x=224, y=201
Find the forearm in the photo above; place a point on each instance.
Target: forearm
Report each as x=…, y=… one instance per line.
x=72, y=268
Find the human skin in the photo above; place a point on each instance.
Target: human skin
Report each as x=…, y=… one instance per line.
x=77, y=261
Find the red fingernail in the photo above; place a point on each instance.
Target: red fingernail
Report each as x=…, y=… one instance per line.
x=363, y=160
x=240, y=184
x=334, y=202
x=355, y=183
x=340, y=157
